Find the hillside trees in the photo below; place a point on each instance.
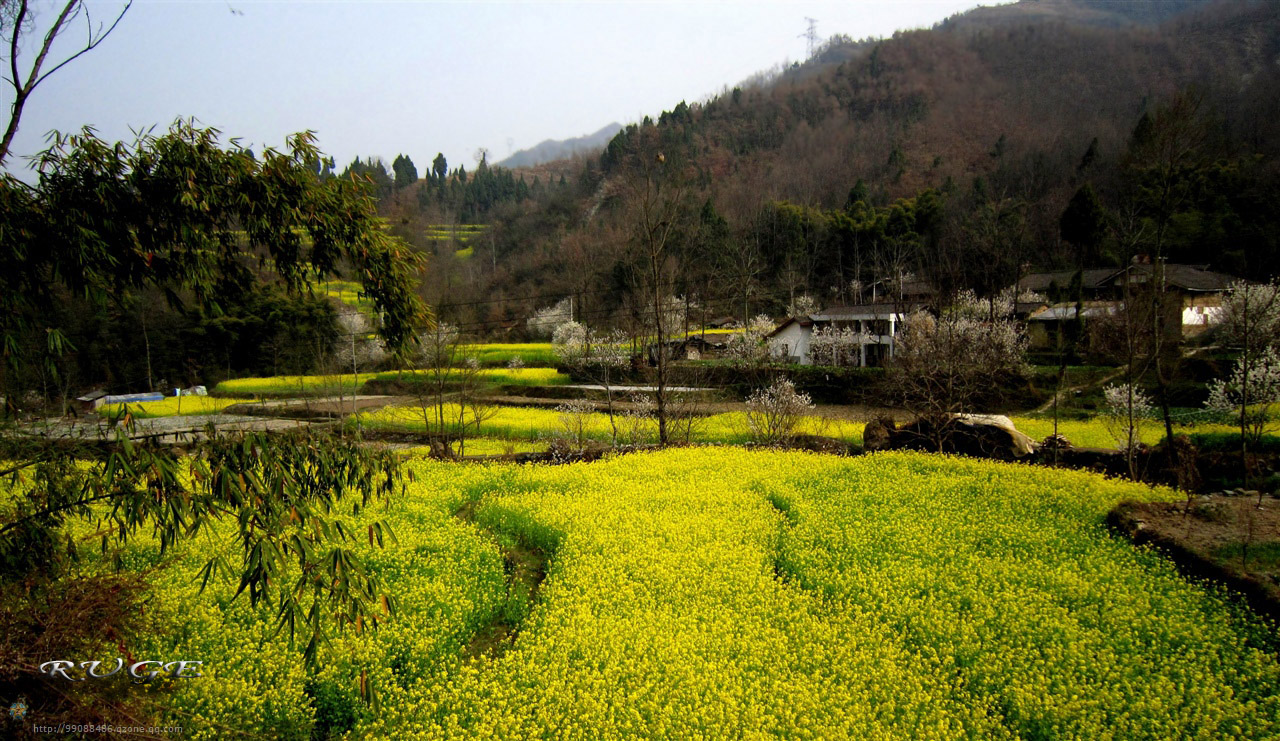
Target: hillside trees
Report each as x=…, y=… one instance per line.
x=405, y=173
x=372, y=173
x=202, y=225
x=922, y=112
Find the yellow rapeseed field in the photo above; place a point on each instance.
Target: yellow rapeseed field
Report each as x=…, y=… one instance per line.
x=524, y=423
x=171, y=406
x=721, y=592
x=347, y=382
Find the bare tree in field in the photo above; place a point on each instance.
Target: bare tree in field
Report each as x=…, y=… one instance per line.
x=599, y=357
x=18, y=20
x=659, y=210
x=446, y=373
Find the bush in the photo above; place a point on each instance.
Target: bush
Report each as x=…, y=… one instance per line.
x=774, y=412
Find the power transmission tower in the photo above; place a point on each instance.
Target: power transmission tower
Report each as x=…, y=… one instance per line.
x=811, y=35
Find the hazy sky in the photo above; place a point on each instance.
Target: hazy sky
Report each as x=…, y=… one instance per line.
x=382, y=78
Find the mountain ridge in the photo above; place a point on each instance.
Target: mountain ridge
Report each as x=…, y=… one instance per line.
x=554, y=149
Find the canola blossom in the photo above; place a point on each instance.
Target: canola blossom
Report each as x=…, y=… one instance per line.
x=524, y=423
x=169, y=407
x=494, y=354
x=1092, y=433
x=720, y=592
x=348, y=382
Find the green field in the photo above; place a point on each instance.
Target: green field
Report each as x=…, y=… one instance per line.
x=722, y=593
x=1092, y=433
x=346, y=291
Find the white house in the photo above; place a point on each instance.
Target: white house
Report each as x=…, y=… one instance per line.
x=792, y=339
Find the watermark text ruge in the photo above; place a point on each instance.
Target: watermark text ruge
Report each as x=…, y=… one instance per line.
x=139, y=671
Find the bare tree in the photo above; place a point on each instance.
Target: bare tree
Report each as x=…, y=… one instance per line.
x=18, y=19
x=947, y=365
x=450, y=375
x=598, y=357
x=657, y=193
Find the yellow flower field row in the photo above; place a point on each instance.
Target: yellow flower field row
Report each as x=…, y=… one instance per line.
x=1093, y=433
x=884, y=597
x=523, y=423
x=347, y=291
x=170, y=406
x=347, y=382
x=491, y=354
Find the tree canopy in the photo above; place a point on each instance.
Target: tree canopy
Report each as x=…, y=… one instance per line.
x=179, y=213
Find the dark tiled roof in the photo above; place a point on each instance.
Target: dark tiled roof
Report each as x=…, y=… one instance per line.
x=1186, y=277
x=1040, y=282
x=1190, y=277
x=861, y=311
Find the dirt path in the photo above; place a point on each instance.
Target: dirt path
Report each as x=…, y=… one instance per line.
x=526, y=568
x=1067, y=392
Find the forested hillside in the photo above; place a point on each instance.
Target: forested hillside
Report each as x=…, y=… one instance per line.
x=949, y=153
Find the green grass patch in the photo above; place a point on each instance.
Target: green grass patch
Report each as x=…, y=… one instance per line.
x=1261, y=556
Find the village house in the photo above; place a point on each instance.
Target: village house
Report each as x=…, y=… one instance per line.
x=792, y=340
x=1194, y=297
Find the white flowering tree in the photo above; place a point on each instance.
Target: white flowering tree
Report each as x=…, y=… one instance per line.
x=838, y=345
x=750, y=346
x=948, y=364
x=599, y=357
x=544, y=322
x=1249, y=317
x=1127, y=413
x=569, y=340
x=774, y=412
x=1246, y=395
x=1249, y=320
x=803, y=305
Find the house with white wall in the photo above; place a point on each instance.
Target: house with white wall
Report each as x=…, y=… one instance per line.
x=878, y=322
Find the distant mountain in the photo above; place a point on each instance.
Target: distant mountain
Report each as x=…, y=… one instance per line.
x=553, y=150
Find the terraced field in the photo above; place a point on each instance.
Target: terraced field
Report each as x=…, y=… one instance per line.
x=322, y=385
x=525, y=424
x=718, y=593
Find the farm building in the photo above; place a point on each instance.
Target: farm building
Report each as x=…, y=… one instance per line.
x=793, y=338
x=1196, y=297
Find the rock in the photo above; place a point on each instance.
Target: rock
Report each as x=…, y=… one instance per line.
x=1022, y=444
x=878, y=433
x=978, y=435
x=1055, y=442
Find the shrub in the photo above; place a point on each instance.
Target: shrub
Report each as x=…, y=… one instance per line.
x=774, y=412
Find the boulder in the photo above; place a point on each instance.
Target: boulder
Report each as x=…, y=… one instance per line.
x=878, y=434
x=977, y=435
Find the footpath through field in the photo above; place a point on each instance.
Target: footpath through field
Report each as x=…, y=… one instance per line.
x=725, y=592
